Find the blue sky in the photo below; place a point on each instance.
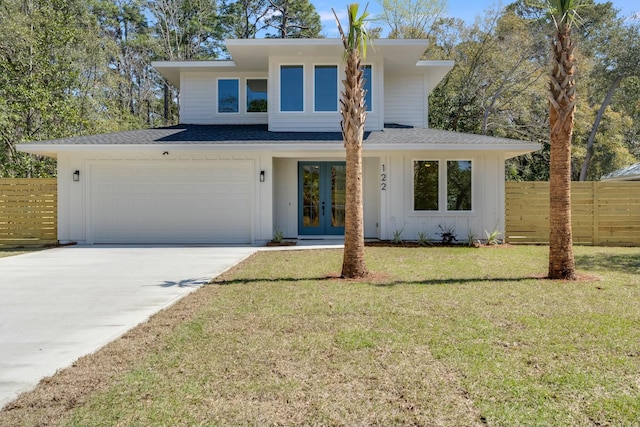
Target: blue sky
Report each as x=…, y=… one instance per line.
x=464, y=9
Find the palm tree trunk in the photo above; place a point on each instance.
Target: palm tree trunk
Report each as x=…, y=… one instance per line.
x=353, y=119
x=561, y=261
x=563, y=99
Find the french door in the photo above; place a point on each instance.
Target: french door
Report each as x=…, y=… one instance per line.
x=321, y=198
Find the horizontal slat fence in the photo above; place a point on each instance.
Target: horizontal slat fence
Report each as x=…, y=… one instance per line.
x=28, y=212
x=603, y=213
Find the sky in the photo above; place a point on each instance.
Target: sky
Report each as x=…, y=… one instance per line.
x=463, y=9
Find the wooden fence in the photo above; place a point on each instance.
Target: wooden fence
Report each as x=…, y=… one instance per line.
x=28, y=212
x=603, y=213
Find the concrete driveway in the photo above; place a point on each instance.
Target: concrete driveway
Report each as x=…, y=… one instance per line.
x=60, y=304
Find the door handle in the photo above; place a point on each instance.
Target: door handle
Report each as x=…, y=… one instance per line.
x=322, y=208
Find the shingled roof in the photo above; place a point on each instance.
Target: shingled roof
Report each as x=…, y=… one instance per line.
x=259, y=134
x=630, y=173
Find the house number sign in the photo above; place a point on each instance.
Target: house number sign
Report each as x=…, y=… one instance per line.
x=383, y=179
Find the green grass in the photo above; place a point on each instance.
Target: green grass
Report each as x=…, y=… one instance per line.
x=439, y=336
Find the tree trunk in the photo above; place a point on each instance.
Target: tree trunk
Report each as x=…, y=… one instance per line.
x=562, y=98
x=596, y=125
x=353, y=119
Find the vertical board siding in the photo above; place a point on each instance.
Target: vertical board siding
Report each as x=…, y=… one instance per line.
x=404, y=100
x=603, y=213
x=28, y=212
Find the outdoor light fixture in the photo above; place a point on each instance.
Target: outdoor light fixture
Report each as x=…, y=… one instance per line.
x=76, y=176
x=261, y=176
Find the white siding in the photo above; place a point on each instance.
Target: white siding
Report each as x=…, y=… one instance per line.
x=308, y=120
x=75, y=198
x=198, y=99
x=487, y=199
x=405, y=100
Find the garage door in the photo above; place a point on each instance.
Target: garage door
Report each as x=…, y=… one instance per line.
x=171, y=202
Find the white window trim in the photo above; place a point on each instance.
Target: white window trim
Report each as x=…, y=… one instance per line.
x=218, y=95
x=337, y=110
x=446, y=185
x=304, y=85
x=442, y=188
x=246, y=95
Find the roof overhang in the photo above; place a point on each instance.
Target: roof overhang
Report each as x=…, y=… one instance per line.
x=50, y=150
x=253, y=55
x=171, y=69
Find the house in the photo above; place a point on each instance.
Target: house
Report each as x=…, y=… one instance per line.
x=259, y=151
x=630, y=173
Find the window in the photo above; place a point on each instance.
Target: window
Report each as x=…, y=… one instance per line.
x=326, y=88
x=425, y=185
x=291, y=88
x=256, y=95
x=367, y=86
x=459, y=185
x=228, y=95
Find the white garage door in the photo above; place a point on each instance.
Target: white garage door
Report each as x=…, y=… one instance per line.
x=171, y=202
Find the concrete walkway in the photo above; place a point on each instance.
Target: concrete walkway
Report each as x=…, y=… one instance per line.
x=60, y=304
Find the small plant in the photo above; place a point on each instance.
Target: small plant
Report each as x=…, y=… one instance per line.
x=492, y=238
x=397, y=236
x=423, y=238
x=278, y=237
x=471, y=238
x=447, y=234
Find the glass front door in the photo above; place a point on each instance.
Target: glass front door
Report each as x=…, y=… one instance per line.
x=321, y=197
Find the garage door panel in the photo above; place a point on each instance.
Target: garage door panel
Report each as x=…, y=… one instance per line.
x=172, y=202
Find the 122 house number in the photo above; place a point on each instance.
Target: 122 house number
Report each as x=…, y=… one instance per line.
x=383, y=179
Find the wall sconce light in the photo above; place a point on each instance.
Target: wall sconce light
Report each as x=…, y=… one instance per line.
x=76, y=176
x=261, y=176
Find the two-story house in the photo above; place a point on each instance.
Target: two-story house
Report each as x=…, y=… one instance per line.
x=259, y=151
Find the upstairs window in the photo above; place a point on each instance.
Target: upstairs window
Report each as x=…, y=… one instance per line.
x=325, y=88
x=459, y=185
x=425, y=185
x=367, y=86
x=256, y=95
x=291, y=88
x=228, y=90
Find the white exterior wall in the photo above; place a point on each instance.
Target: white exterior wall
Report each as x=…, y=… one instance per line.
x=199, y=99
x=74, y=198
x=405, y=97
x=487, y=197
x=308, y=120
x=285, y=208
x=388, y=191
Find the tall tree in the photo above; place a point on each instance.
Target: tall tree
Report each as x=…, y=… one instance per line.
x=562, y=100
x=189, y=29
x=354, y=115
x=243, y=19
x=410, y=19
x=620, y=60
x=129, y=80
x=44, y=57
x=293, y=19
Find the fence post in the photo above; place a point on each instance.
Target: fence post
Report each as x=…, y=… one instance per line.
x=596, y=214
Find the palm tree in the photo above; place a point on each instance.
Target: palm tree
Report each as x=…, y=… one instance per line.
x=354, y=114
x=562, y=98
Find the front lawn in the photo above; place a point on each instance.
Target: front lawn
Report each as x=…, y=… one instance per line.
x=437, y=336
